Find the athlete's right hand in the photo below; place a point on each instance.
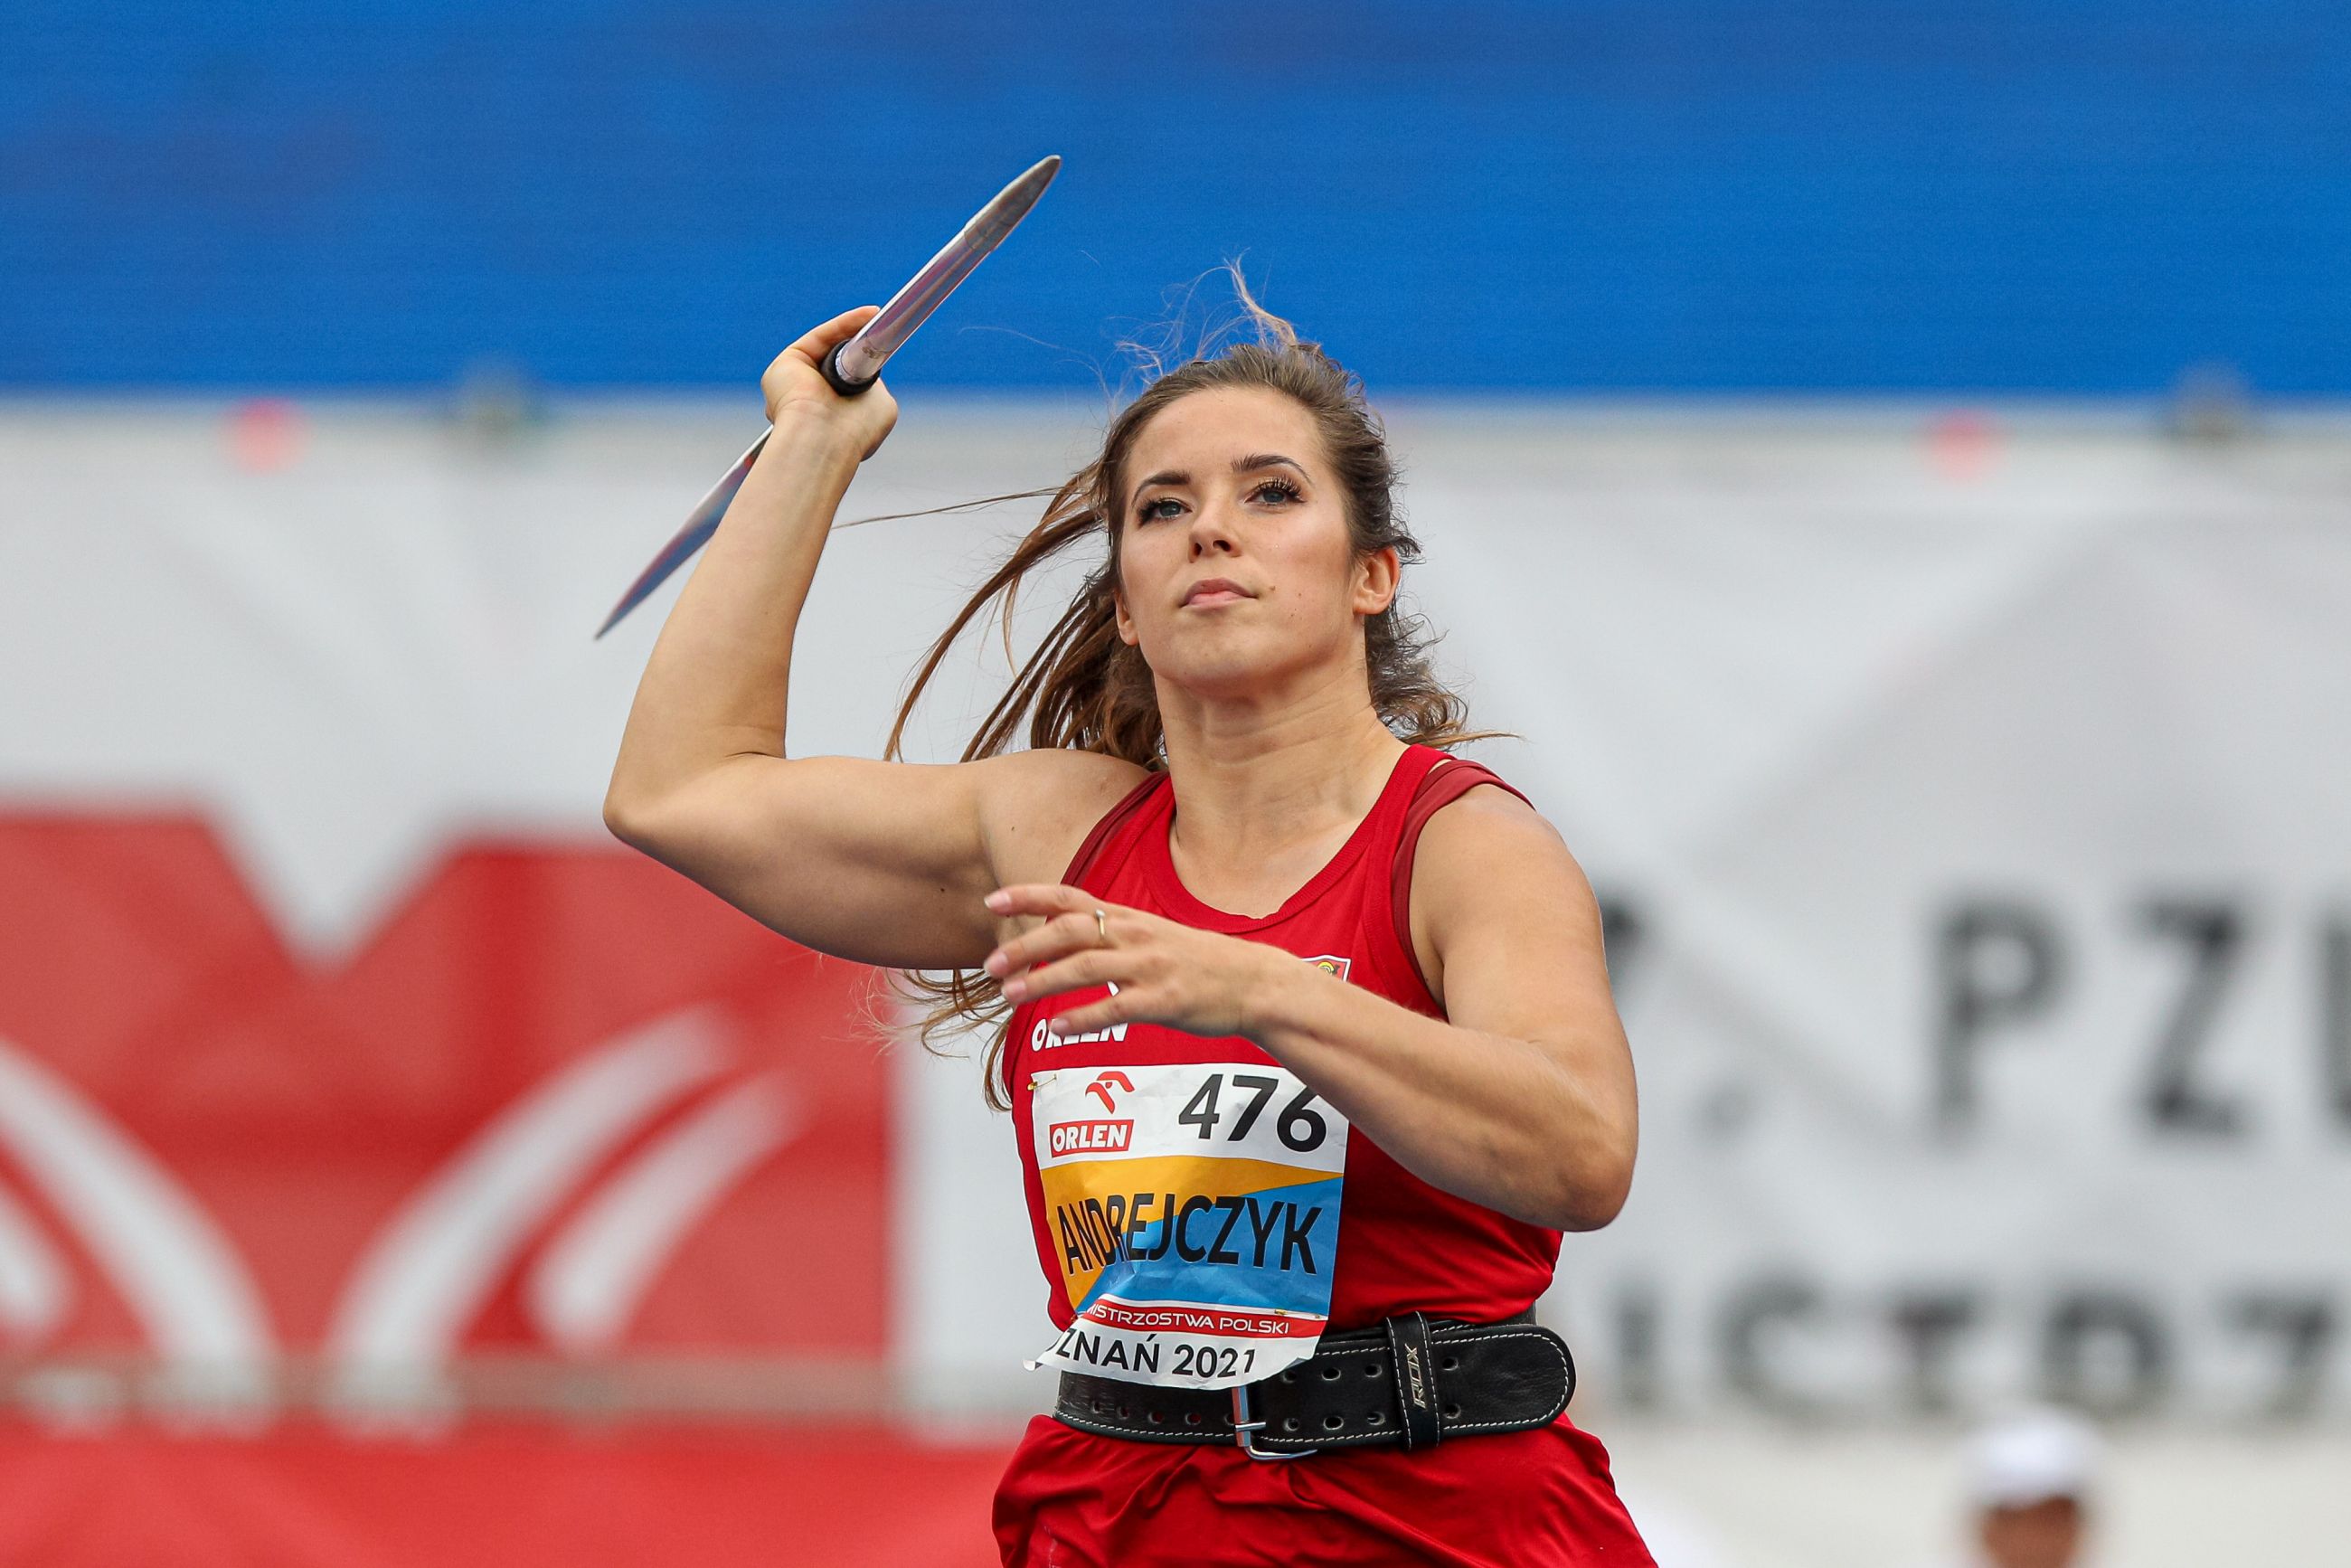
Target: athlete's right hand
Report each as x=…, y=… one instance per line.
x=797, y=390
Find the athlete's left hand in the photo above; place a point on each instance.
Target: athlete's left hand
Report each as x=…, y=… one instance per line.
x=1201, y=982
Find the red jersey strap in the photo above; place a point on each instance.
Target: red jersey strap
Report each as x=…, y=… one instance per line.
x=1442, y=785
x=1111, y=820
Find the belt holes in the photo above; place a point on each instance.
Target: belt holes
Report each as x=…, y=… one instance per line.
x=1331, y=1372
x=1291, y=1377
x=1124, y=1412
x=1289, y=1423
x=1377, y=1417
x=1158, y=1417
x=1375, y=1370
x=1452, y=1412
x=1333, y=1421
x=1450, y=1362
x=1191, y=1417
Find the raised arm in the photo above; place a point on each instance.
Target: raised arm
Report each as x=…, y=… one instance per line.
x=883, y=863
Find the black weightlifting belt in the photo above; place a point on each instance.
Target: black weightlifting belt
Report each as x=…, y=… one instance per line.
x=1413, y=1380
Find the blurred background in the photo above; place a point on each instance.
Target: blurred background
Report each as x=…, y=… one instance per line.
x=1888, y=464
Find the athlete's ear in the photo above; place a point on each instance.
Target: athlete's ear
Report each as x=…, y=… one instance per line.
x=1126, y=634
x=1376, y=576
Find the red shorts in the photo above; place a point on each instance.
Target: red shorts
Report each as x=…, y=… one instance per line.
x=1537, y=1498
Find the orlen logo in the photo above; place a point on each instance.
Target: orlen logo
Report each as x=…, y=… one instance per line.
x=467, y=1171
x=1040, y=1038
x=1092, y=1137
x=1101, y=1087
x=174, y=1265
x=1101, y=1135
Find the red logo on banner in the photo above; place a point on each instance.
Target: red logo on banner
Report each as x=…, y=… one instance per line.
x=560, y=1101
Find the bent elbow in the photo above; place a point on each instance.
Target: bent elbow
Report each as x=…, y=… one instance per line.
x=1592, y=1213
x=1595, y=1193
x=628, y=817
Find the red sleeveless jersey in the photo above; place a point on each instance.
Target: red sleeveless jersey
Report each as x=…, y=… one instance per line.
x=1399, y=1245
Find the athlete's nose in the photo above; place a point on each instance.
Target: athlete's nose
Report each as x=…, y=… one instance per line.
x=1210, y=534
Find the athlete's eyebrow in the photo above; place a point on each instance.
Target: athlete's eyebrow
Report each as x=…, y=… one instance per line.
x=1248, y=463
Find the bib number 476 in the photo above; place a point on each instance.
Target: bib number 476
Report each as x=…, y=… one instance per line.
x=1299, y=1125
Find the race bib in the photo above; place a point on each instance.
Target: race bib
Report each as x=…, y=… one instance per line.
x=1196, y=1211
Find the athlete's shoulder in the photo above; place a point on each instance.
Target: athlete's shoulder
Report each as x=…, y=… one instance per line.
x=1483, y=844
x=1487, y=821
x=1063, y=778
x=1039, y=805
x=1492, y=875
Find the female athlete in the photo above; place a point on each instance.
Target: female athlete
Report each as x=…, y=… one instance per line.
x=1311, y=1052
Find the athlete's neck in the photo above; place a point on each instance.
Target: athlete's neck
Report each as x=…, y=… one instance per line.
x=1265, y=795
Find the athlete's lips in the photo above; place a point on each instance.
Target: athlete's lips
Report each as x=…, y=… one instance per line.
x=1208, y=586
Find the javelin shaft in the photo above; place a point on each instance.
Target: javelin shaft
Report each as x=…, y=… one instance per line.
x=854, y=365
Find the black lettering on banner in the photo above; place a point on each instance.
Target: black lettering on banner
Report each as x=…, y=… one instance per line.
x=1297, y=1112
x=1166, y=1229
x=1623, y=933
x=1640, y=1381
x=1210, y=1361
x=2304, y=1327
x=1261, y=1217
x=1749, y=1320
x=1262, y=1090
x=1928, y=1323
x=1217, y=1251
x=1193, y=1205
x=1137, y=1207
x=1201, y=1110
x=2105, y=1353
x=1084, y=1243
x=1997, y=963
x=2213, y=934
x=1298, y=1233
x=2334, y=1013
x=1114, y=1211
x=1146, y=1356
x=1098, y=1231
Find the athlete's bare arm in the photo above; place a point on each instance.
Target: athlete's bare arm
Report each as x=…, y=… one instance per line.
x=883, y=863
x=1507, y=934
x=1520, y=1098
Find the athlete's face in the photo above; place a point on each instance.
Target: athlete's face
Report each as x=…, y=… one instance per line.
x=1231, y=485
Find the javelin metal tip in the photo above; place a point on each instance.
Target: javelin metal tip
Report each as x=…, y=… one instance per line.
x=993, y=222
x=853, y=366
x=1041, y=172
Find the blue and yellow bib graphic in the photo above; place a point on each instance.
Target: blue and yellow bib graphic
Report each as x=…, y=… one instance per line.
x=1195, y=1212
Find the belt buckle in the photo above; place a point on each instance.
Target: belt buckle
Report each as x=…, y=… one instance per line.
x=1243, y=1426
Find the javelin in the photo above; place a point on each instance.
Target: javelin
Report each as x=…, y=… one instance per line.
x=855, y=365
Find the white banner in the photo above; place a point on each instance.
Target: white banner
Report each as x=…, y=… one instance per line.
x=1983, y=872
x=1970, y=814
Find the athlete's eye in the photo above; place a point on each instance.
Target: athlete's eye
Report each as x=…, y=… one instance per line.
x=1279, y=490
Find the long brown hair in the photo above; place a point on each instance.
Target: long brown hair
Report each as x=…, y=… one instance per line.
x=1085, y=689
